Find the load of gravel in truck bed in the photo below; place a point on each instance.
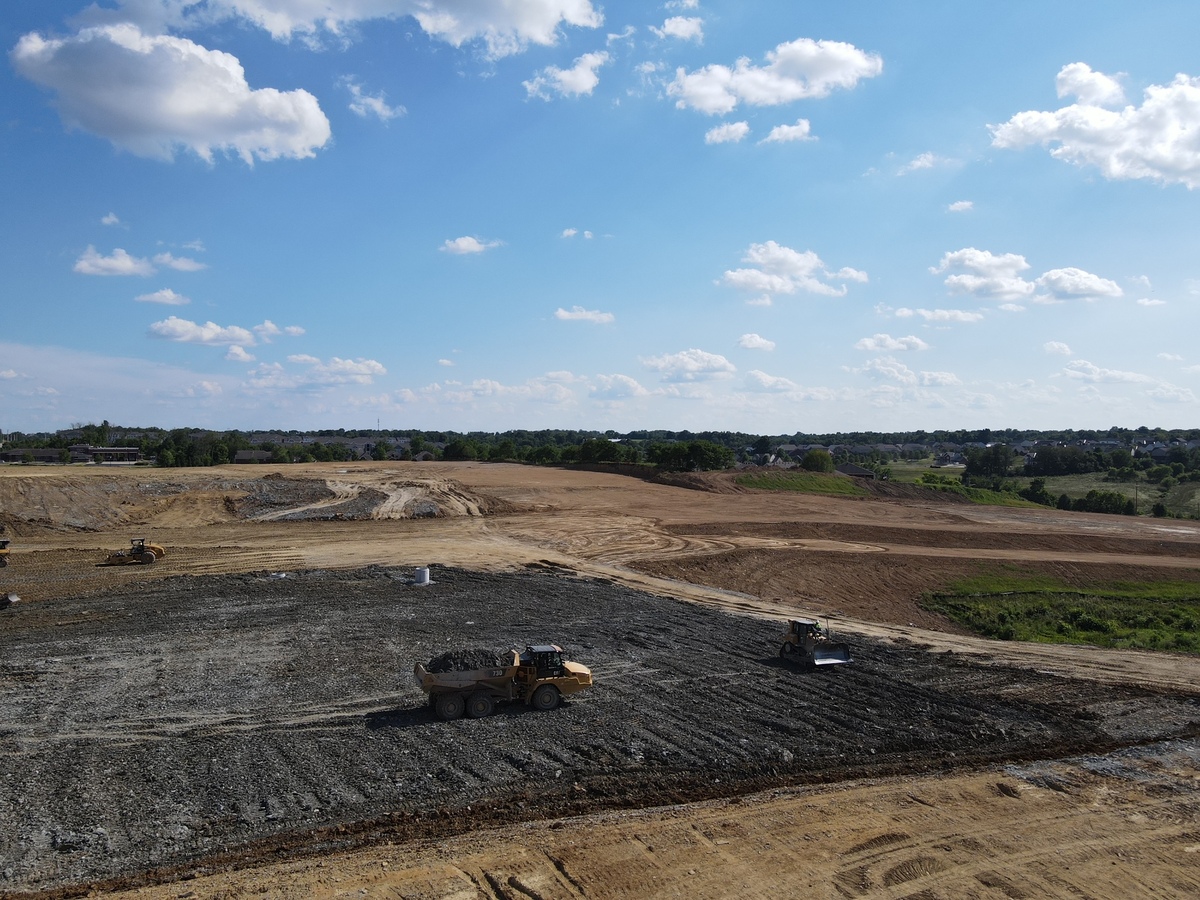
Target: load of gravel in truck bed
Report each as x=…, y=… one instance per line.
x=469, y=660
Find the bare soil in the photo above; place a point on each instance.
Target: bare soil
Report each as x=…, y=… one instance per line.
x=241, y=715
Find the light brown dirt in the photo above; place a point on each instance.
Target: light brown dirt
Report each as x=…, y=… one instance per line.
x=1103, y=828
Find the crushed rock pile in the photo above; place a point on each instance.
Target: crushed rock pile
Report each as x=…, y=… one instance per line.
x=469, y=660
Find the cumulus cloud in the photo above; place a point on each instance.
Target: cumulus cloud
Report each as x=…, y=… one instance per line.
x=463, y=246
x=1147, y=301
x=504, y=28
x=119, y=263
x=755, y=342
x=690, y=365
x=178, y=263
x=579, y=314
x=1072, y=282
x=166, y=296
x=940, y=315
x=783, y=134
x=153, y=94
x=268, y=330
x=985, y=274
x=1086, y=371
x=363, y=104
x=684, y=28
x=798, y=70
x=579, y=79
x=1057, y=347
x=728, y=133
x=616, y=387
x=238, y=353
x=211, y=334
x=961, y=206
x=757, y=380
x=110, y=219
x=777, y=269
x=939, y=379
x=923, y=161
x=883, y=342
x=891, y=369
x=1155, y=141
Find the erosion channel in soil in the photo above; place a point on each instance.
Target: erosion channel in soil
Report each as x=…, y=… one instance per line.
x=195, y=722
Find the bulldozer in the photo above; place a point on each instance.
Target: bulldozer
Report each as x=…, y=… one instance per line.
x=809, y=645
x=3, y=553
x=140, y=551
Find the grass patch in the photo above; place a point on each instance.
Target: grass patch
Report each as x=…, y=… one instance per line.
x=1157, y=615
x=909, y=471
x=802, y=482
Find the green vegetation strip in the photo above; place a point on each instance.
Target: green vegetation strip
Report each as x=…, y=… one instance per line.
x=803, y=482
x=1159, y=615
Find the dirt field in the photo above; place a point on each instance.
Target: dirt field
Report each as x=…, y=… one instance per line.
x=240, y=718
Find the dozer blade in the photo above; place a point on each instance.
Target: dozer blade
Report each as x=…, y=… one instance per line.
x=831, y=655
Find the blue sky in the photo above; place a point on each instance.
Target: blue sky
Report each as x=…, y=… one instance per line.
x=766, y=217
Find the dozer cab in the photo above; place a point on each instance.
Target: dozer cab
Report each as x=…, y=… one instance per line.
x=808, y=644
x=140, y=551
x=3, y=553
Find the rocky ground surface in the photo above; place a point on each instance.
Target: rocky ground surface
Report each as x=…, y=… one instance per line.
x=192, y=722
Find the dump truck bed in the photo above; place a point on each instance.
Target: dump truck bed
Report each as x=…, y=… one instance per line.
x=496, y=679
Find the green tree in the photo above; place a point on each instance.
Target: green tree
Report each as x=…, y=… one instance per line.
x=817, y=460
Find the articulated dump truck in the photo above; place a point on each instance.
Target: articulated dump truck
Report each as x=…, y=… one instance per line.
x=539, y=677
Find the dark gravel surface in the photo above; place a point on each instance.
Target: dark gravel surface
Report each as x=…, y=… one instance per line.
x=203, y=721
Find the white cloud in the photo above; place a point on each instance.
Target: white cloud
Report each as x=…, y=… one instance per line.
x=1056, y=347
x=1086, y=371
x=987, y=275
x=1147, y=301
x=923, y=161
x=616, y=387
x=238, y=353
x=690, y=365
x=110, y=219
x=797, y=70
x=940, y=315
x=179, y=263
x=210, y=334
x=782, y=270
x=466, y=245
x=685, y=28
x=1171, y=393
x=728, y=133
x=1093, y=88
x=961, y=206
x=8, y=374
x=1154, y=141
x=579, y=314
x=338, y=370
x=940, y=379
x=1072, y=282
x=889, y=368
x=119, y=263
x=570, y=232
x=757, y=380
x=166, y=296
x=1171, y=357
x=363, y=104
x=445, y=362
x=152, y=94
x=782, y=134
x=755, y=342
x=882, y=342
x=579, y=79
x=269, y=329
x=504, y=27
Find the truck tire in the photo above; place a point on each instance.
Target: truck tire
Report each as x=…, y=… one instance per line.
x=148, y=557
x=546, y=698
x=449, y=707
x=787, y=651
x=480, y=706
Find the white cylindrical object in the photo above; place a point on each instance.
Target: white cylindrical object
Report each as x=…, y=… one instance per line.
x=421, y=576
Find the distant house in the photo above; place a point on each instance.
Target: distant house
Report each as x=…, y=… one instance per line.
x=252, y=456
x=854, y=471
x=88, y=453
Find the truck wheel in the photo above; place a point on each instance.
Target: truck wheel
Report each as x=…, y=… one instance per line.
x=148, y=557
x=480, y=706
x=449, y=707
x=546, y=697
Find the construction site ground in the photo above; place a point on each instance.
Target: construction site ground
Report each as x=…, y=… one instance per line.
x=240, y=717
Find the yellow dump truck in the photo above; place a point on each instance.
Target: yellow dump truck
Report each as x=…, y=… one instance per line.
x=539, y=677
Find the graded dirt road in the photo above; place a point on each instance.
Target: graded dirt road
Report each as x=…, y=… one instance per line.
x=180, y=720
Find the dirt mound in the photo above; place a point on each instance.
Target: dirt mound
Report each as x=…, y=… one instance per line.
x=468, y=661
